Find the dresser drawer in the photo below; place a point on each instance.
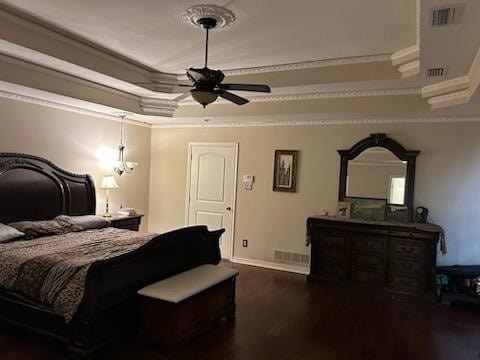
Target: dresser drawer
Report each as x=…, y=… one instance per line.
x=369, y=245
x=402, y=282
x=369, y=276
x=333, y=270
x=369, y=260
x=333, y=255
x=331, y=241
x=416, y=248
x=407, y=266
x=410, y=234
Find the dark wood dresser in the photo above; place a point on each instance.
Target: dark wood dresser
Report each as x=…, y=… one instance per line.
x=398, y=256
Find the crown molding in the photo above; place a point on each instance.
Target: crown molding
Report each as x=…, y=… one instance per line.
x=443, y=87
x=304, y=65
x=159, y=107
x=319, y=95
x=234, y=121
x=456, y=91
x=76, y=109
x=410, y=69
x=306, y=120
x=451, y=99
x=405, y=55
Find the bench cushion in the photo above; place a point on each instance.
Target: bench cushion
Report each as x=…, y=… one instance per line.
x=188, y=283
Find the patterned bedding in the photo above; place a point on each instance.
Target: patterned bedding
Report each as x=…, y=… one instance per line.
x=53, y=269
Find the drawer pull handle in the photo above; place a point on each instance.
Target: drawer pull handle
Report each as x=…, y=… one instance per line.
x=407, y=249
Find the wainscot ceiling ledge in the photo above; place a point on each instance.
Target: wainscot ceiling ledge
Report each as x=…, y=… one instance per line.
x=22, y=29
x=456, y=91
x=37, y=77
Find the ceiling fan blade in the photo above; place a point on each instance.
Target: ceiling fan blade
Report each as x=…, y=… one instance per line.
x=245, y=87
x=196, y=76
x=232, y=97
x=183, y=96
x=161, y=83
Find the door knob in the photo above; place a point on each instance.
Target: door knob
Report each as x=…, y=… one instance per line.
x=229, y=208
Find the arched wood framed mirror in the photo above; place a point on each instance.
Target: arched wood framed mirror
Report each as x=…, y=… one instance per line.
x=379, y=167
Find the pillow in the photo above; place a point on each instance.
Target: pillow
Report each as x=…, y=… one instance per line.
x=8, y=233
x=36, y=229
x=87, y=221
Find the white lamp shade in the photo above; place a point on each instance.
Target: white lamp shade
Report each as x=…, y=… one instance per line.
x=108, y=182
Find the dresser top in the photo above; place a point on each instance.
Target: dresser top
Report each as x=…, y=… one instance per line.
x=410, y=225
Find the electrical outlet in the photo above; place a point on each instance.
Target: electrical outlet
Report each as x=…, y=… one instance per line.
x=245, y=243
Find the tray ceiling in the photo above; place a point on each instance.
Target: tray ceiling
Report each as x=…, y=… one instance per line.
x=325, y=61
x=265, y=33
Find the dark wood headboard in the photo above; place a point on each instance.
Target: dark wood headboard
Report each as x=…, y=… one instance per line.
x=32, y=188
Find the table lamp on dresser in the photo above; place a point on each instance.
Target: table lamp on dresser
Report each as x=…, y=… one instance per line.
x=108, y=183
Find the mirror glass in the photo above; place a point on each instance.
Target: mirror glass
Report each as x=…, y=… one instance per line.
x=377, y=173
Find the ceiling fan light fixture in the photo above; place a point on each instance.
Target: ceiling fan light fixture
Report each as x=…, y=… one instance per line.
x=203, y=97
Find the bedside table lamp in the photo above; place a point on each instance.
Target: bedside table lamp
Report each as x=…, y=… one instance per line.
x=108, y=183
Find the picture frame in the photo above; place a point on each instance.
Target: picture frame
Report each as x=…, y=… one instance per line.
x=285, y=171
x=367, y=208
x=343, y=209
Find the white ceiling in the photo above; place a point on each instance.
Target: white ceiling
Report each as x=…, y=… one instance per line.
x=265, y=33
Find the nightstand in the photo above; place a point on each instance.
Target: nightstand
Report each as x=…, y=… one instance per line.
x=126, y=222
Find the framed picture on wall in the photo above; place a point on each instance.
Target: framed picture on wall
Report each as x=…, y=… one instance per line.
x=285, y=170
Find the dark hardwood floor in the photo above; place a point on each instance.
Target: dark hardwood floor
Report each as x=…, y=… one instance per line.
x=280, y=316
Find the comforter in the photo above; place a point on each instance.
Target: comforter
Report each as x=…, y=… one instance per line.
x=53, y=269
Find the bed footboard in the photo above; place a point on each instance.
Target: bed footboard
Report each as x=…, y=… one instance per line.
x=109, y=307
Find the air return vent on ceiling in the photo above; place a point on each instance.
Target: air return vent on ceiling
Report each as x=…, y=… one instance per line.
x=446, y=15
x=436, y=72
x=292, y=258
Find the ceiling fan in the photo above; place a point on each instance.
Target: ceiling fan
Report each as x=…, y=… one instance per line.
x=207, y=83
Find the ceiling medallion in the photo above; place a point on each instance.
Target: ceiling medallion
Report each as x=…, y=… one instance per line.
x=224, y=17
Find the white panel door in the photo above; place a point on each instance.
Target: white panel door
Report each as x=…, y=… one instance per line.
x=211, y=189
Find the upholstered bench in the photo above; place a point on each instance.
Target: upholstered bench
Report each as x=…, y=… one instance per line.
x=176, y=309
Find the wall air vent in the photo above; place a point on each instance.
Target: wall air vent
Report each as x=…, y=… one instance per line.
x=446, y=15
x=436, y=72
x=292, y=258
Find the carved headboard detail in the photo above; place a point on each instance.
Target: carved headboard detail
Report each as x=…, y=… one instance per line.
x=33, y=188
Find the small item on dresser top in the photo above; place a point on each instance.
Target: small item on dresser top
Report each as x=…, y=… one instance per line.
x=421, y=215
x=343, y=209
x=127, y=212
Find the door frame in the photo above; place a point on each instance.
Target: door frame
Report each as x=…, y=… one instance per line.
x=233, y=145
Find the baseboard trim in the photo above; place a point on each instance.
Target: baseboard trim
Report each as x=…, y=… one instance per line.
x=271, y=265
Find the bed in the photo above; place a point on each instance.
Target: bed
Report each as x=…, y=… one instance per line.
x=33, y=188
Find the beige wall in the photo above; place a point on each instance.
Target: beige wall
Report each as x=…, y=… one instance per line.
x=448, y=171
x=73, y=142
x=448, y=176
